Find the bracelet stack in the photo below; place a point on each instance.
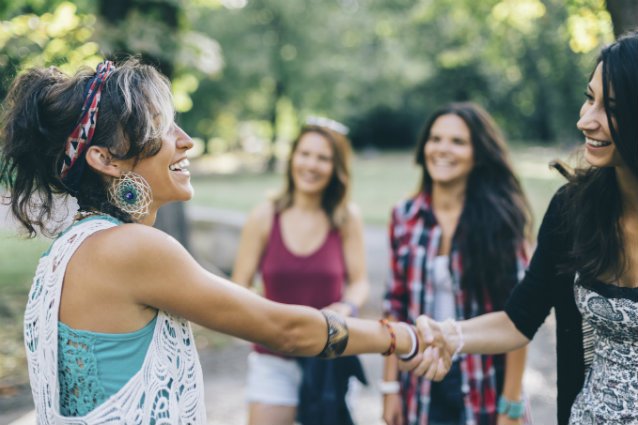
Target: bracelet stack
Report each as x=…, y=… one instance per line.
x=513, y=409
x=415, y=343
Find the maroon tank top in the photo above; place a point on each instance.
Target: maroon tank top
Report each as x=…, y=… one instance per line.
x=316, y=280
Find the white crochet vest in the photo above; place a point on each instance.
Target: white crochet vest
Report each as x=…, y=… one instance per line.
x=168, y=389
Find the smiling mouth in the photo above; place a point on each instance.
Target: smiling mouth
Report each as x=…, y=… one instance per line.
x=596, y=143
x=443, y=163
x=181, y=166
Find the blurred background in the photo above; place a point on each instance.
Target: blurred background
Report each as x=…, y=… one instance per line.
x=246, y=74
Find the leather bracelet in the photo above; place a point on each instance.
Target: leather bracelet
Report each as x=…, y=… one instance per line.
x=337, y=335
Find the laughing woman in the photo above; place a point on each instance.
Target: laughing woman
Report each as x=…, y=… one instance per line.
x=457, y=251
x=106, y=326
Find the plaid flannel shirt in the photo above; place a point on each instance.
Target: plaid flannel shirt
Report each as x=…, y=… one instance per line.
x=414, y=239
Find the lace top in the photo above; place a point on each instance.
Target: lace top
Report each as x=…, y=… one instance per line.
x=93, y=366
x=167, y=389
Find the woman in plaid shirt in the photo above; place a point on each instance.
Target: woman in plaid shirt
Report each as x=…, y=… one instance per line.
x=457, y=249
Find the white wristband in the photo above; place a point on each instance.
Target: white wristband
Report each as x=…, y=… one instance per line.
x=389, y=387
x=413, y=339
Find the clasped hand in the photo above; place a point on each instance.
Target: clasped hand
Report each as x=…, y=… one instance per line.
x=435, y=360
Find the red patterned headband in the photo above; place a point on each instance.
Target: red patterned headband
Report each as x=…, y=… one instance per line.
x=81, y=136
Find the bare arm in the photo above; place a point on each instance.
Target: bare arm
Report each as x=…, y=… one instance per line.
x=167, y=278
x=358, y=286
x=253, y=240
x=392, y=406
x=492, y=333
x=513, y=384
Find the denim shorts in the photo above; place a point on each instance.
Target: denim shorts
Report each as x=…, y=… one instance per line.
x=447, y=406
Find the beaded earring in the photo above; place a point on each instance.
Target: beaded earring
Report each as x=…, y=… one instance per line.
x=132, y=194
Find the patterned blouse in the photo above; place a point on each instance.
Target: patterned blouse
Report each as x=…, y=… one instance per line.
x=415, y=238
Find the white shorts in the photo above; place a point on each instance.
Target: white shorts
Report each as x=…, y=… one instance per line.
x=276, y=380
x=272, y=380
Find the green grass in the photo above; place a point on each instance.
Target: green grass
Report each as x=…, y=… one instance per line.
x=18, y=260
x=379, y=182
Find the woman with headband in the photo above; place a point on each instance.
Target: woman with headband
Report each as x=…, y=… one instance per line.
x=307, y=244
x=106, y=326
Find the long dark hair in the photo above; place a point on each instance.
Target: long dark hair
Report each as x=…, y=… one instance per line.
x=496, y=215
x=40, y=111
x=336, y=195
x=593, y=204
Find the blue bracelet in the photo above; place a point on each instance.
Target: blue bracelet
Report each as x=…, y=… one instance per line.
x=513, y=409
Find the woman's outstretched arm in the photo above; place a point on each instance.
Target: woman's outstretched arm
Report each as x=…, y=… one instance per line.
x=154, y=270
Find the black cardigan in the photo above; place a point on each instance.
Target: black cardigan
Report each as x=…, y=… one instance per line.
x=546, y=286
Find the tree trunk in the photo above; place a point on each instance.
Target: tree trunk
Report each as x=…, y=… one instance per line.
x=624, y=15
x=272, y=159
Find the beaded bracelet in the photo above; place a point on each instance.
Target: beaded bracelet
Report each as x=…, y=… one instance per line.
x=393, y=338
x=459, y=335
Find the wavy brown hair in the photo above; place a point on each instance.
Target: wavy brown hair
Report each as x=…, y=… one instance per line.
x=496, y=216
x=336, y=195
x=41, y=109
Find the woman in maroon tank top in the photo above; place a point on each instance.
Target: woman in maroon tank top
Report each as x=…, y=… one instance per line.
x=308, y=246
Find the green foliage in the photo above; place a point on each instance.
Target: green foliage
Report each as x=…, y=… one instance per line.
x=381, y=66
x=61, y=37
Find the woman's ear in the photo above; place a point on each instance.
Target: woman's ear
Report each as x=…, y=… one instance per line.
x=100, y=159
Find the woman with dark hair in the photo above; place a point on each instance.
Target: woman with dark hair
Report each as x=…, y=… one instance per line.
x=308, y=246
x=586, y=262
x=458, y=248
x=106, y=325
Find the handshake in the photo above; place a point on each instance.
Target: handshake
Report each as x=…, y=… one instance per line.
x=437, y=345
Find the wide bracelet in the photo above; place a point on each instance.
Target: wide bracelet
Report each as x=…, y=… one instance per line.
x=337, y=340
x=513, y=409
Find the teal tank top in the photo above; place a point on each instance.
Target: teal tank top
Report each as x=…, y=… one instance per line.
x=93, y=366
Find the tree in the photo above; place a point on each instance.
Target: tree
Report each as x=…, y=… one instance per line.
x=624, y=15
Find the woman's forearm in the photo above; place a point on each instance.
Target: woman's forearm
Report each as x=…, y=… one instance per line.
x=303, y=331
x=492, y=333
x=514, y=370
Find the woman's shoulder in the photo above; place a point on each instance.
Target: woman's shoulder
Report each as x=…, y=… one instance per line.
x=261, y=217
x=410, y=206
x=129, y=241
x=353, y=219
x=559, y=201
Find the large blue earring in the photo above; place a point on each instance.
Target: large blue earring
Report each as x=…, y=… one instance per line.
x=132, y=194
